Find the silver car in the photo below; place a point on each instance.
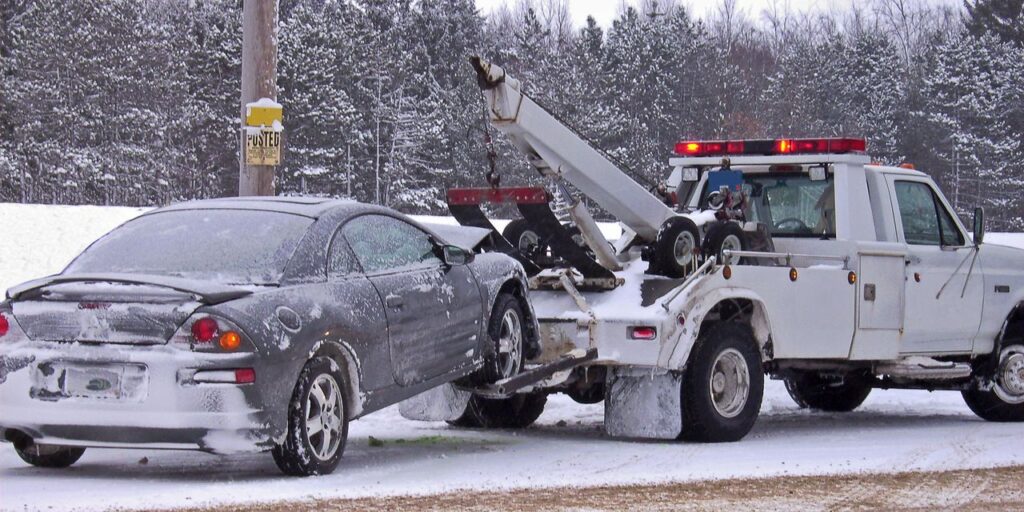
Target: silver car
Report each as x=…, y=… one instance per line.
x=254, y=324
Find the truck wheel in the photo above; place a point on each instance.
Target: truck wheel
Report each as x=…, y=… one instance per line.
x=675, y=250
x=47, y=455
x=505, y=328
x=317, y=422
x=591, y=394
x=811, y=390
x=517, y=411
x=724, y=236
x=1005, y=400
x=526, y=240
x=722, y=385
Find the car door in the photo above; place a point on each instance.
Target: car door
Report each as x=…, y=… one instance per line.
x=355, y=315
x=433, y=310
x=943, y=288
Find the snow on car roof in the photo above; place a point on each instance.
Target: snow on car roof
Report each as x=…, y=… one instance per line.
x=312, y=207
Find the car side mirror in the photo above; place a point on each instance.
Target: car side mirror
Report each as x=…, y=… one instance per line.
x=979, y=225
x=454, y=255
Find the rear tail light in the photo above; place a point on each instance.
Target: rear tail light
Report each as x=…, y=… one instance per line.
x=205, y=329
x=230, y=341
x=208, y=333
x=5, y=325
x=644, y=333
x=237, y=376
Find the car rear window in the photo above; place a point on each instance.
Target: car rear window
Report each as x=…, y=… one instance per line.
x=226, y=246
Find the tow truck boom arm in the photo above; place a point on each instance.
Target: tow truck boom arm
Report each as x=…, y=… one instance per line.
x=556, y=151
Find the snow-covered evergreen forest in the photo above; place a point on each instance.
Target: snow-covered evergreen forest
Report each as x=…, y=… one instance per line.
x=135, y=102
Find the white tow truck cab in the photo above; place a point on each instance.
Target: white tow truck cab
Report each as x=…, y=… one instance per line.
x=797, y=259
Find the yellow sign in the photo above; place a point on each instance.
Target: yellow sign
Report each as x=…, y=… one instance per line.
x=263, y=113
x=262, y=146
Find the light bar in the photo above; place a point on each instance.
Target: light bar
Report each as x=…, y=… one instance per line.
x=833, y=146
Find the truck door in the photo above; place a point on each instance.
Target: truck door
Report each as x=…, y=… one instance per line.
x=943, y=294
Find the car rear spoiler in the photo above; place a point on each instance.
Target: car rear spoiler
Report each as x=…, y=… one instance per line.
x=208, y=293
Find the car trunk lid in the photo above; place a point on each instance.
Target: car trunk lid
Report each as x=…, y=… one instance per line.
x=96, y=310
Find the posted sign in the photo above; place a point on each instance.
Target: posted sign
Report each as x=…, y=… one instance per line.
x=262, y=146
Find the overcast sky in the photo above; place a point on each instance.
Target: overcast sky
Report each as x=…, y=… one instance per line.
x=605, y=10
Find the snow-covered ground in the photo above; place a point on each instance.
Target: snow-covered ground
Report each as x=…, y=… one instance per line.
x=893, y=431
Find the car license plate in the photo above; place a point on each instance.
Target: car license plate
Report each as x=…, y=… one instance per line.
x=120, y=382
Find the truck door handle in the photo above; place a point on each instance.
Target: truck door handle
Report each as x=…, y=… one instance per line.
x=394, y=301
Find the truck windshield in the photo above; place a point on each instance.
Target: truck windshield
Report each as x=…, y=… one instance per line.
x=792, y=205
x=224, y=246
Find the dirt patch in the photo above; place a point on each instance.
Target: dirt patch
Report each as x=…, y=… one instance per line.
x=963, y=490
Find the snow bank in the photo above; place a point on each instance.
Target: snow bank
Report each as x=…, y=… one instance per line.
x=40, y=240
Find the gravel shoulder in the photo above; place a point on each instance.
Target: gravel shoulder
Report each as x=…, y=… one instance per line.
x=962, y=490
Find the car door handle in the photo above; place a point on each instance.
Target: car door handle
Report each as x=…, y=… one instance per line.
x=394, y=301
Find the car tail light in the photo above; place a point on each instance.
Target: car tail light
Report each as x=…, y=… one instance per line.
x=204, y=330
x=230, y=341
x=245, y=376
x=210, y=333
x=644, y=333
x=5, y=325
x=237, y=376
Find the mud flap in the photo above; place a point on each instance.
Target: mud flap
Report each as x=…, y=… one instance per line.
x=643, y=403
x=443, y=403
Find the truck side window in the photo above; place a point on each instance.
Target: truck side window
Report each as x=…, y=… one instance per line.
x=925, y=220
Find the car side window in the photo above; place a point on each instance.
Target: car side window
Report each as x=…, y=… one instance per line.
x=382, y=243
x=340, y=261
x=925, y=220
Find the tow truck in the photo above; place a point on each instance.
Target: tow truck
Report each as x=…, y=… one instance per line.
x=798, y=259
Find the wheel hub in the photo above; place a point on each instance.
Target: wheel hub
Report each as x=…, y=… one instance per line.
x=731, y=243
x=323, y=417
x=684, y=247
x=730, y=383
x=1012, y=375
x=510, y=344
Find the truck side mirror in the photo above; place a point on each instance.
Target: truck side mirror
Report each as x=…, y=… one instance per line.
x=979, y=225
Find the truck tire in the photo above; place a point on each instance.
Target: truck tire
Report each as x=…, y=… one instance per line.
x=1004, y=401
x=317, y=422
x=47, y=455
x=721, y=236
x=811, y=390
x=675, y=250
x=517, y=411
x=519, y=234
x=722, y=385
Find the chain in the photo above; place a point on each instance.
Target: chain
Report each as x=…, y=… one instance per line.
x=493, y=178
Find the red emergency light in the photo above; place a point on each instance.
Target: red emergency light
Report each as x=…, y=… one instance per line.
x=771, y=147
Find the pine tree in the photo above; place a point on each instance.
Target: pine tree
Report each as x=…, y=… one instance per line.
x=1003, y=18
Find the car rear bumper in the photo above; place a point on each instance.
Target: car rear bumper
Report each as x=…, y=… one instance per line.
x=156, y=403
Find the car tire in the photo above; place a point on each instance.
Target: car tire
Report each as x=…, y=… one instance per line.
x=517, y=411
x=507, y=330
x=1004, y=400
x=315, y=440
x=724, y=235
x=48, y=455
x=675, y=250
x=723, y=385
x=811, y=391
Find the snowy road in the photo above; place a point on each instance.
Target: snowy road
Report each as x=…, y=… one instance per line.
x=894, y=431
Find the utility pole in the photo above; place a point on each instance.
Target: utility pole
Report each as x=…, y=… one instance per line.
x=259, y=80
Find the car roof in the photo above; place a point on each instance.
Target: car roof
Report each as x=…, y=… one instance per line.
x=312, y=207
